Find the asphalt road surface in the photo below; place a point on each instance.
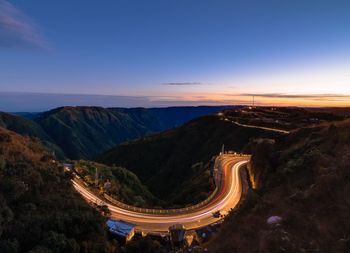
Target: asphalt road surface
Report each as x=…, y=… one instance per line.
x=227, y=197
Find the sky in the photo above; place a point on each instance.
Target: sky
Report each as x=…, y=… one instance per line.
x=173, y=52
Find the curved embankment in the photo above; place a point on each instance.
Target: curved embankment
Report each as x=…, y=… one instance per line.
x=228, y=194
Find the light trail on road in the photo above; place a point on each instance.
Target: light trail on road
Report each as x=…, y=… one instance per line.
x=259, y=127
x=227, y=197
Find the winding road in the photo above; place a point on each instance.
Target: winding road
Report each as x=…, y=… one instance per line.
x=228, y=194
x=259, y=127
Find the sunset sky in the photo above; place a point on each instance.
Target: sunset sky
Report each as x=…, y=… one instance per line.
x=167, y=52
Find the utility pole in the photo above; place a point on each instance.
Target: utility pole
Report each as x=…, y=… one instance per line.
x=96, y=177
x=253, y=101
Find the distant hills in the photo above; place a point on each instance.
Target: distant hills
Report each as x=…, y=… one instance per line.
x=85, y=132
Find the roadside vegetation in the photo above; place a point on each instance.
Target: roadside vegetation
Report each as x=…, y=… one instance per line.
x=117, y=182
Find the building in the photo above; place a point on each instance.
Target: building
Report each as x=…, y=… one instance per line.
x=68, y=166
x=177, y=234
x=123, y=230
x=206, y=233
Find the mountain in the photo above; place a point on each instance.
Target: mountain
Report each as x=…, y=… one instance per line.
x=28, y=127
x=27, y=115
x=22, y=126
x=85, y=132
x=303, y=179
x=284, y=118
x=175, y=164
x=171, y=117
x=39, y=209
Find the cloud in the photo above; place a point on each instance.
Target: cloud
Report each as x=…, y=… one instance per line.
x=183, y=84
x=18, y=30
x=36, y=102
x=300, y=96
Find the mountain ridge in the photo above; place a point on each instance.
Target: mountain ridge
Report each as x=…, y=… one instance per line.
x=83, y=132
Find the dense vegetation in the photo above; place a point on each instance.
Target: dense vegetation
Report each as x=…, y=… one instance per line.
x=29, y=127
x=303, y=178
x=175, y=164
x=39, y=210
x=85, y=132
x=341, y=111
x=117, y=182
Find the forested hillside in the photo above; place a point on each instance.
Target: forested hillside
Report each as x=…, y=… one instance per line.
x=175, y=164
x=85, y=132
x=123, y=184
x=303, y=185
x=24, y=126
x=39, y=209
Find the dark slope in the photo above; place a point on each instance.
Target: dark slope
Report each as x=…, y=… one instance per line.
x=143, y=117
x=158, y=119
x=305, y=179
x=30, y=128
x=171, y=117
x=125, y=185
x=175, y=163
x=341, y=111
x=39, y=209
x=22, y=126
x=84, y=132
x=28, y=115
x=286, y=118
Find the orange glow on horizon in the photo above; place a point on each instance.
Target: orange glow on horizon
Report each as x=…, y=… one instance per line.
x=263, y=100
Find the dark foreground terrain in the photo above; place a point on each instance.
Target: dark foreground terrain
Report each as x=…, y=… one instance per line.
x=39, y=209
x=303, y=178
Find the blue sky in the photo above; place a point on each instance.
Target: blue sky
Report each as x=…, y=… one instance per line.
x=178, y=51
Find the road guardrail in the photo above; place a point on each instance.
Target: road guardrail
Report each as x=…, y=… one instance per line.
x=168, y=211
x=159, y=211
x=122, y=205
